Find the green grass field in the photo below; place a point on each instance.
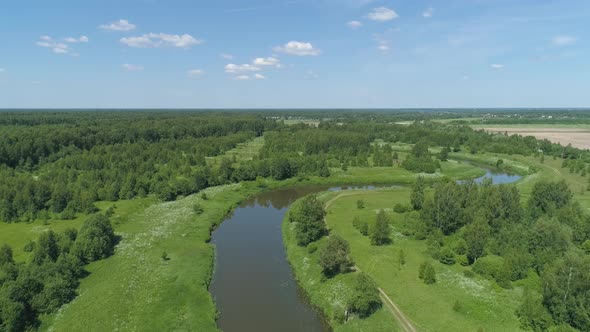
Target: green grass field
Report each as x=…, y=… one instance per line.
x=429, y=307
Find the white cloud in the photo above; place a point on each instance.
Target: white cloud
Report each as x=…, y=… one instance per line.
x=354, y=24
x=270, y=62
x=132, y=67
x=497, y=66
x=242, y=78
x=120, y=25
x=154, y=40
x=194, y=72
x=235, y=69
x=297, y=48
x=56, y=47
x=428, y=13
x=259, y=76
x=563, y=40
x=383, y=46
x=226, y=56
x=311, y=75
x=382, y=14
x=82, y=39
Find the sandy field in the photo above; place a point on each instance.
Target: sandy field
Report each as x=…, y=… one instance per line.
x=579, y=138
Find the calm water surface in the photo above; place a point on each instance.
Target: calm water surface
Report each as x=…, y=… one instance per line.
x=253, y=285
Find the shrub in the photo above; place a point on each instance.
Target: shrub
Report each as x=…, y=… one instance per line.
x=462, y=260
x=197, y=209
x=401, y=208
x=429, y=274
x=446, y=256
x=339, y=316
x=361, y=225
x=96, y=239
x=312, y=247
x=29, y=247
x=204, y=196
x=457, y=306
x=360, y=204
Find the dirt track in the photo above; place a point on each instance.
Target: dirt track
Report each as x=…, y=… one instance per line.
x=578, y=138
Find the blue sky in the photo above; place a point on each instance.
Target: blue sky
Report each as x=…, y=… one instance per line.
x=294, y=54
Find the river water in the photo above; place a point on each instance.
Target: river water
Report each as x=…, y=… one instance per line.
x=253, y=285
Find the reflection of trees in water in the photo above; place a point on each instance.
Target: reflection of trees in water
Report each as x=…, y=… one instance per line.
x=280, y=199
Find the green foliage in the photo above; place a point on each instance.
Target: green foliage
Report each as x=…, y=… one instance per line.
x=335, y=256
x=547, y=197
x=417, y=196
x=365, y=299
x=311, y=248
x=493, y=267
x=429, y=274
x=446, y=256
x=96, y=239
x=566, y=289
x=476, y=236
x=308, y=217
x=380, y=234
x=401, y=208
x=361, y=224
x=419, y=160
x=360, y=204
x=198, y=209
x=531, y=313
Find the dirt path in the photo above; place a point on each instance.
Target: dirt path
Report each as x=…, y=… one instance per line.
x=403, y=321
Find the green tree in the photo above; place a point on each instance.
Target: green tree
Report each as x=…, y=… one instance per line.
x=46, y=248
x=96, y=239
x=335, y=256
x=308, y=217
x=532, y=314
x=417, y=196
x=429, y=274
x=476, y=236
x=365, y=298
x=381, y=231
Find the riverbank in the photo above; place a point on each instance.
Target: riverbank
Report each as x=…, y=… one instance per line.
x=136, y=289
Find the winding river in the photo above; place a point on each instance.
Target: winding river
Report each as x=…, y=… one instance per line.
x=253, y=285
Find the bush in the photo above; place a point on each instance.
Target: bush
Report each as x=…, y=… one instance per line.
x=429, y=274
x=365, y=299
x=312, y=247
x=462, y=260
x=29, y=247
x=361, y=225
x=360, y=204
x=339, y=316
x=401, y=208
x=446, y=256
x=493, y=267
x=457, y=306
x=197, y=209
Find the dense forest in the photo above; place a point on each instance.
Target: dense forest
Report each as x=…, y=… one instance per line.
x=56, y=165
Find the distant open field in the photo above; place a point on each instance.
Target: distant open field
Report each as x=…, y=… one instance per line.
x=578, y=136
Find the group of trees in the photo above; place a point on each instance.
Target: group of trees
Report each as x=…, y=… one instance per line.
x=50, y=279
x=486, y=226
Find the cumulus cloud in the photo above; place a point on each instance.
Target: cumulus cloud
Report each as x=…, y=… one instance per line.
x=72, y=40
x=259, y=76
x=563, y=40
x=269, y=62
x=226, y=56
x=235, y=69
x=428, y=13
x=120, y=25
x=354, y=24
x=298, y=48
x=382, y=14
x=194, y=72
x=132, y=67
x=497, y=65
x=55, y=46
x=155, y=40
